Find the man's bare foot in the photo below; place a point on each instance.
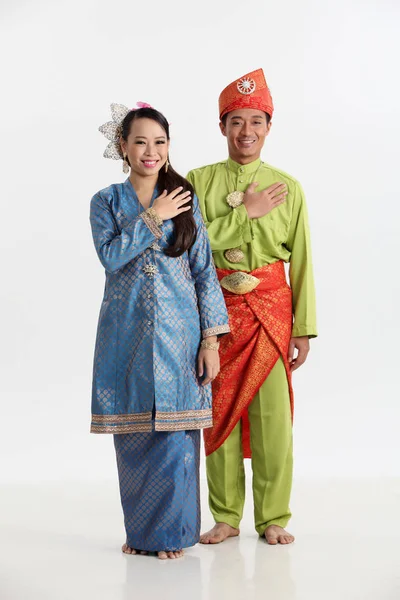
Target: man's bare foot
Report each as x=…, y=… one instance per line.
x=274, y=534
x=218, y=534
x=165, y=555
x=128, y=550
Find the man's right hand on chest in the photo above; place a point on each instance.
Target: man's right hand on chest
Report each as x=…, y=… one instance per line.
x=259, y=204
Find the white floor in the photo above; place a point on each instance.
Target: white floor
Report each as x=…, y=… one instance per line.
x=62, y=542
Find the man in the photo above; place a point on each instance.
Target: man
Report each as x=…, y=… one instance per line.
x=256, y=219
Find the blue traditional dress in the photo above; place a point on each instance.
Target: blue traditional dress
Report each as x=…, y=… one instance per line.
x=146, y=389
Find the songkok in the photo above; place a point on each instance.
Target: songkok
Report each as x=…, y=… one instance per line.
x=249, y=91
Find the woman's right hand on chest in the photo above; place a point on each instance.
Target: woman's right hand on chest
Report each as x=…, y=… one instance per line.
x=168, y=206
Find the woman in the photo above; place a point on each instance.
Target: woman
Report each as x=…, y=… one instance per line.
x=161, y=298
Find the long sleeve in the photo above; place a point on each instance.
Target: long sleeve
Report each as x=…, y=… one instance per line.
x=228, y=231
x=213, y=313
x=301, y=270
x=116, y=248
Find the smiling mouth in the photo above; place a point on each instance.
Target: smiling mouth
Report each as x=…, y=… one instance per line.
x=149, y=164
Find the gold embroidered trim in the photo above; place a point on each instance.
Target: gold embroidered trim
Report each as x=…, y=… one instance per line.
x=216, y=330
x=132, y=428
x=152, y=221
x=165, y=421
x=122, y=418
x=202, y=424
x=155, y=216
x=184, y=414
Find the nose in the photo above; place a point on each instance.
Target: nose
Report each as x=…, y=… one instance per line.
x=150, y=150
x=246, y=129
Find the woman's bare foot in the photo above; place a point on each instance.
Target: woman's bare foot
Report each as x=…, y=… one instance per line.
x=164, y=555
x=274, y=534
x=218, y=534
x=128, y=550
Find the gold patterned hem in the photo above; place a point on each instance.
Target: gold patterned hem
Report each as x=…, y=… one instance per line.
x=184, y=414
x=121, y=423
x=129, y=428
x=152, y=224
x=220, y=329
x=122, y=418
x=182, y=425
x=164, y=421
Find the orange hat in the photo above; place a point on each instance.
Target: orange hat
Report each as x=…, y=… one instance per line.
x=249, y=91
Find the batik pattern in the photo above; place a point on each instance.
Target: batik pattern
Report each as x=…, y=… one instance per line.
x=261, y=327
x=159, y=485
x=150, y=327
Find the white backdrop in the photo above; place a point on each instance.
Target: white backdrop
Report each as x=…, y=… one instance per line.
x=331, y=68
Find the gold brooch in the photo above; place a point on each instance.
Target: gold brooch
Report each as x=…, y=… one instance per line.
x=239, y=282
x=234, y=255
x=235, y=199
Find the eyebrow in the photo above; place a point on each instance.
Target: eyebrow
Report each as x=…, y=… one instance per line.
x=160, y=137
x=252, y=117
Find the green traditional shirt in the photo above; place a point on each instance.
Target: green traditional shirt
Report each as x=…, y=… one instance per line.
x=282, y=234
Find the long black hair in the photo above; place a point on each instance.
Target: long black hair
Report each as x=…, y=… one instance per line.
x=184, y=224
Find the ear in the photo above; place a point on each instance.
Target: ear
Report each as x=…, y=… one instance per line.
x=222, y=128
x=269, y=127
x=123, y=145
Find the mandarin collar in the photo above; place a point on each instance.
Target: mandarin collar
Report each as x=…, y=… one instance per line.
x=243, y=169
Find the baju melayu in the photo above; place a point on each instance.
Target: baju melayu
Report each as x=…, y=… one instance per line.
x=146, y=390
x=252, y=395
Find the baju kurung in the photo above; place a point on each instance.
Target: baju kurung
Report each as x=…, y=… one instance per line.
x=154, y=313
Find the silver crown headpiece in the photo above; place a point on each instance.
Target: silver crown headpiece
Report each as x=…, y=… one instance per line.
x=112, y=130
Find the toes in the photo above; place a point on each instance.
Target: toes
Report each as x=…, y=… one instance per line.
x=162, y=555
x=272, y=541
x=204, y=540
x=290, y=539
x=128, y=550
x=207, y=539
x=286, y=539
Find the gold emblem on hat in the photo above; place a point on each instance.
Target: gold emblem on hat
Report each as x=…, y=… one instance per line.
x=246, y=85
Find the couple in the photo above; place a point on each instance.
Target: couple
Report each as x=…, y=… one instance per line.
x=164, y=337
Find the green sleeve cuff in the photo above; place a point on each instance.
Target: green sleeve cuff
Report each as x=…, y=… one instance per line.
x=244, y=223
x=309, y=331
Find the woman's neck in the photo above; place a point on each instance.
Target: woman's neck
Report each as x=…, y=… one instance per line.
x=144, y=187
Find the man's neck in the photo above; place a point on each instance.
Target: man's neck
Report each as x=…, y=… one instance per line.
x=245, y=160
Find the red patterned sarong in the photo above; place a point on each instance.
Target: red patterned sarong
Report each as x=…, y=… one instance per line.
x=261, y=327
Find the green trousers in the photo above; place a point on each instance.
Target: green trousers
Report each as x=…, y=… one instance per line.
x=272, y=460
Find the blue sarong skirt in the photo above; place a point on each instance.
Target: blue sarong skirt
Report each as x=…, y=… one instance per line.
x=159, y=485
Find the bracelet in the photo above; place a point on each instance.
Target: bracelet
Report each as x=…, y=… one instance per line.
x=153, y=222
x=154, y=216
x=209, y=345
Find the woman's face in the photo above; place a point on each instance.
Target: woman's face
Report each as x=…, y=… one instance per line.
x=146, y=147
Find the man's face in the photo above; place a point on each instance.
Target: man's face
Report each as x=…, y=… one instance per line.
x=245, y=130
